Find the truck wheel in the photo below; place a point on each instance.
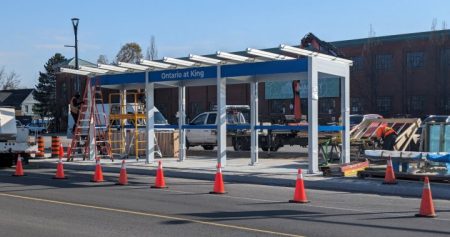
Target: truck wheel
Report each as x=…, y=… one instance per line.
x=241, y=144
x=208, y=147
x=265, y=148
x=6, y=161
x=237, y=146
x=274, y=148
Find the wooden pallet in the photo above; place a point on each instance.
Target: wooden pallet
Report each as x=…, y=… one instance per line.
x=405, y=127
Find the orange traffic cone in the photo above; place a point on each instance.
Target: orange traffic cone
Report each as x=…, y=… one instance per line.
x=98, y=175
x=159, y=183
x=60, y=170
x=219, y=187
x=19, y=168
x=299, y=193
x=61, y=151
x=123, y=177
x=389, y=178
x=426, y=205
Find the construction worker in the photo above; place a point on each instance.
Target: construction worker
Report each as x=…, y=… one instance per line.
x=388, y=135
x=75, y=103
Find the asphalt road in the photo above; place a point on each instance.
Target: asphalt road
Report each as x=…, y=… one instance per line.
x=37, y=205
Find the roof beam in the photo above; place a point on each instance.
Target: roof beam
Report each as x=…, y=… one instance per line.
x=156, y=64
x=268, y=55
x=309, y=53
x=112, y=68
x=133, y=66
x=93, y=70
x=234, y=57
x=204, y=59
x=74, y=71
x=179, y=62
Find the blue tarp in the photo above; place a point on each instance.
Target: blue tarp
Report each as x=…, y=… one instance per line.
x=435, y=157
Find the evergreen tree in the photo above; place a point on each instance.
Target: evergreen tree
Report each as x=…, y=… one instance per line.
x=45, y=92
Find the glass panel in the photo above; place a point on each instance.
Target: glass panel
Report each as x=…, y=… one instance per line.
x=199, y=120
x=447, y=138
x=435, y=133
x=211, y=119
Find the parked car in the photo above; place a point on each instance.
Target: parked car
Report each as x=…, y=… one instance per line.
x=38, y=126
x=207, y=138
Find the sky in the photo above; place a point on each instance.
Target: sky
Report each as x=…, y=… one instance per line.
x=33, y=31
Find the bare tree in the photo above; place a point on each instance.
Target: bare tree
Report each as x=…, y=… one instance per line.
x=433, y=24
x=129, y=53
x=372, y=32
x=102, y=59
x=152, y=52
x=9, y=81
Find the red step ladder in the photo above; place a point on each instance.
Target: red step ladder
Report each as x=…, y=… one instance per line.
x=91, y=124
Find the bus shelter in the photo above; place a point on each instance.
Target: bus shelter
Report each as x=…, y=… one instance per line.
x=285, y=63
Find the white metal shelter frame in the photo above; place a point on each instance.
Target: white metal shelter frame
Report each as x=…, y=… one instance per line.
x=285, y=63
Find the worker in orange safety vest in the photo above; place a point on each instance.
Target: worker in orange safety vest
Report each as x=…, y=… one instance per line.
x=388, y=135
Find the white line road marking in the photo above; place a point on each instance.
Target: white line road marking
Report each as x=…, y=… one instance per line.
x=150, y=215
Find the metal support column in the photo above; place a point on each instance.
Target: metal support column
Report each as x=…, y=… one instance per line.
x=90, y=104
x=123, y=111
x=222, y=119
x=150, y=114
x=313, y=98
x=181, y=121
x=345, y=115
x=253, y=122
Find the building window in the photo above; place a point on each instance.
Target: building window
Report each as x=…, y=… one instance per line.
x=384, y=62
x=27, y=110
x=446, y=106
x=384, y=104
x=446, y=57
x=415, y=60
x=358, y=64
x=280, y=106
x=416, y=104
x=327, y=105
x=356, y=105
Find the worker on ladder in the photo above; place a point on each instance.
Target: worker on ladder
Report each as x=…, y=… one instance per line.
x=75, y=103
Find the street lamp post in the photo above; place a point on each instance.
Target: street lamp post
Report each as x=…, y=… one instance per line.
x=75, y=30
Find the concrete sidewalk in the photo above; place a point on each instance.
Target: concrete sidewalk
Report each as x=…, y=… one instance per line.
x=277, y=172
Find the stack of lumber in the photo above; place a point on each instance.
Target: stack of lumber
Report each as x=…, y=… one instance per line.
x=346, y=170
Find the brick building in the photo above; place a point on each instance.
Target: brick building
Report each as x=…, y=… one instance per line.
x=404, y=74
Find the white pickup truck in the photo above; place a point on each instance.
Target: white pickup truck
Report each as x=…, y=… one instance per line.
x=13, y=138
x=207, y=137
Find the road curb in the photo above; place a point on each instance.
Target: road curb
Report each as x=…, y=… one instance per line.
x=369, y=186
